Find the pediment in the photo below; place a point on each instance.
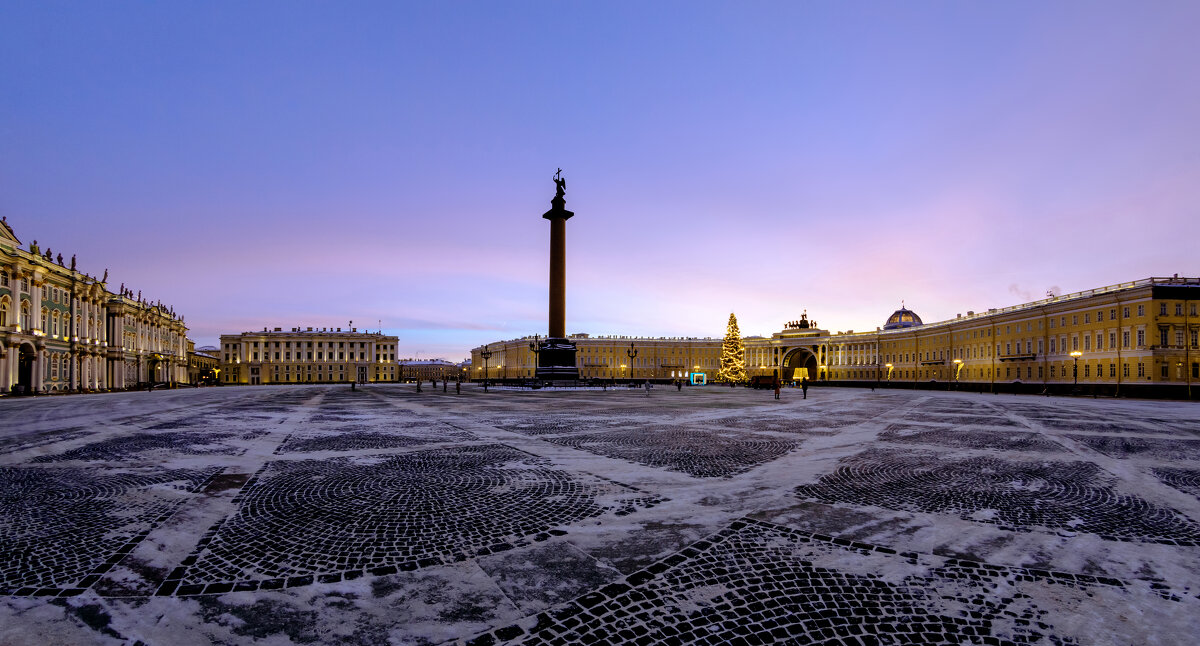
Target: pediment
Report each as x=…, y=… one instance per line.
x=7, y=234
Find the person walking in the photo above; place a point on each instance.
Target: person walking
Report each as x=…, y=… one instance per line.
x=458, y=387
x=776, y=389
x=804, y=386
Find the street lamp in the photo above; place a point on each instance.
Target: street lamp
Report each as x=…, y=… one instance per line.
x=485, y=354
x=632, y=352
x=1075, y=355
x=957, y=369
x=535, y=349
x=889, y=367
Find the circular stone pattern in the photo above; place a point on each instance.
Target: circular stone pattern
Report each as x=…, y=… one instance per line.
x=704, y=454
x=1015, y=495
x=57, y=526
x=761, y=584
x=360, y=514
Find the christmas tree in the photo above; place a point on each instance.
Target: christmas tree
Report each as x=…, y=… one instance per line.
x=733, y=354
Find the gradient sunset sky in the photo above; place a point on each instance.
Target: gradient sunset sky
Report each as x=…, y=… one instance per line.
x=306, y=164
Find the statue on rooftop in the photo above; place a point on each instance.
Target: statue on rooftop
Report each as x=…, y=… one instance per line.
x=72, y=262
x=105, y=279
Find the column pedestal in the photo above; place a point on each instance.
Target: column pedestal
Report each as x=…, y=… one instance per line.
x=556, y=360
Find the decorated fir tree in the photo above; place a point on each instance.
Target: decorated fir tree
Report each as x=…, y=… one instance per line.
x=733, y=354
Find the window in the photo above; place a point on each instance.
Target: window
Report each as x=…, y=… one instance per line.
x=1074, y=343
x=1162, y=336
x=1125, y=339
x=1112, y=370
x=1087, y=318
x=1179, y=337
x=1164, y=371
x=1051, y=371
x=1141, y=339
x=1194, y=337
x=1112, y=314
x=1178, y=309
x=1125, y=312
x=1141, y=369
x=1052, y=351
x=1052, y=323
x=1125, y=371
x=3, y=279
x=1162, y=310
x=1087, y=370
x=1075, y=319
x=1112, y=340
x=1141, y=310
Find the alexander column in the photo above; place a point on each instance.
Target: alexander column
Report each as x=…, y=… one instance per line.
x=556, y=355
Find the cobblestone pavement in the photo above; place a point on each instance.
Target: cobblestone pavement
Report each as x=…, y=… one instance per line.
x=318, y=515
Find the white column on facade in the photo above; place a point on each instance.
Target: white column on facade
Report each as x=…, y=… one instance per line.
x=6, y=368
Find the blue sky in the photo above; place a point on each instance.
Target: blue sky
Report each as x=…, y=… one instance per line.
x=282, y=164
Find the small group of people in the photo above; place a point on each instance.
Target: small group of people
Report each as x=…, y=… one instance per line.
x=803, y=387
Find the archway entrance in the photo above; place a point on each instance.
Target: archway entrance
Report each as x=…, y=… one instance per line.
x=799, y=363
x=25, y=360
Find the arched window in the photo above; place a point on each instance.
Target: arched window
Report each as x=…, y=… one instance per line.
x=4, y=311
x=26, y=317
x=45, y=320
x=54, y=324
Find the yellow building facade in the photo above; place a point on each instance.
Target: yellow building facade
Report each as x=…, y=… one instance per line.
x=605, y=358
x=1134, y=338
x=321, y=355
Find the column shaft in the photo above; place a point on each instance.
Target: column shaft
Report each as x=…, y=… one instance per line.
x=558, y=278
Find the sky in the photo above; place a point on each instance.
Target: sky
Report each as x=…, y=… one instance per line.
x=283, y=164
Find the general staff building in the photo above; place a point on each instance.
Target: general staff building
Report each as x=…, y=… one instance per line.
x=1137, y=338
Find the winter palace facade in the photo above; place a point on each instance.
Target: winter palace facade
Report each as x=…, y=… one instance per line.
x=1134, y=338
x=63, y=330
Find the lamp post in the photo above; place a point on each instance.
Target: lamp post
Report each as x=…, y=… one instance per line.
x=631, y=352
x=957, y=369
x=889, y=367
x=535, y=348
x=1075, y=355
x=485, y=354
